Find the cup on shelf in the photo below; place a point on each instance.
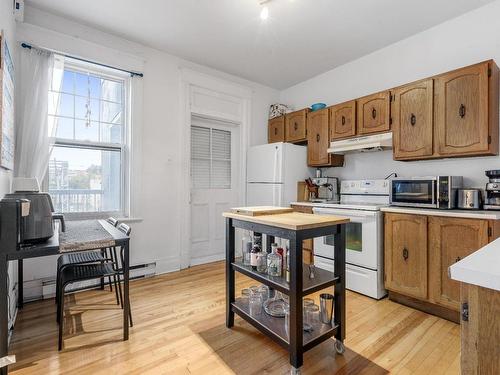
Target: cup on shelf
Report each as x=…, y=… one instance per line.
x=326, y=307
x=255, y=304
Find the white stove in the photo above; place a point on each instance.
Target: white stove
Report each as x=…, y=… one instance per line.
x=360, y=201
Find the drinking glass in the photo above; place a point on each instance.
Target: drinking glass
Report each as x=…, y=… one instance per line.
x=255, y=304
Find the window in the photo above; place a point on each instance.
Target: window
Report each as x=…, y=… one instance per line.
x=86, y=168
x=210, y=158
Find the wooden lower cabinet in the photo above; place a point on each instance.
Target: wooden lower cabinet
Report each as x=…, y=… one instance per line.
x=480, y=332
x=418, y=251
x=406, y=254
x=451, y=239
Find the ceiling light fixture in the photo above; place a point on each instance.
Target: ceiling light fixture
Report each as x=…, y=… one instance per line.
x=264, y=13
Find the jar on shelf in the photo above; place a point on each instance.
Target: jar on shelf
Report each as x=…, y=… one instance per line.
x=246, y=249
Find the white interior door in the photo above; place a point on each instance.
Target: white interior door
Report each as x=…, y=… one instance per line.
x=215, y=180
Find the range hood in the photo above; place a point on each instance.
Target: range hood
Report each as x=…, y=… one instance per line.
x=376, y=142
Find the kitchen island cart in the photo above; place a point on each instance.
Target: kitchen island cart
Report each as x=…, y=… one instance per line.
x=295, y=227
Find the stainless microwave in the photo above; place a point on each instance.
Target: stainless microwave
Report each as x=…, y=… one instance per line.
x=426, y=192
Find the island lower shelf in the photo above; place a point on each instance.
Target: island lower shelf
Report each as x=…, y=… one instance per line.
x=275, y=327
x=322, y=279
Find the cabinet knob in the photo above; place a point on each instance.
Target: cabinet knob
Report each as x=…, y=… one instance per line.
x=275, y=131
x=317, y=137
x=413, y=119
x=343, y=120
x=458, y=259
x=405, y=253
x=374, y=113
x=295, y=126
x=461, y=111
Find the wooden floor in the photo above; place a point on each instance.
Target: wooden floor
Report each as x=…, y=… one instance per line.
x=179, y=329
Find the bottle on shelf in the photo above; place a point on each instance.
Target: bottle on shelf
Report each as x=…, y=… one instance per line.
x=274, y=262
x=254, y=255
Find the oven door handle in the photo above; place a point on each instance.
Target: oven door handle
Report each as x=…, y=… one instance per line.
x=345, y=212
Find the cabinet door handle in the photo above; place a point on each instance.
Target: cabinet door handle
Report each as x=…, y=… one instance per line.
x=343, y=120
x=275, y=131
x=374, y=113
x=458, y=259
x=405, y=253
x=317, y=137
x=413, y=119
x=461, y=111
x=295, y=126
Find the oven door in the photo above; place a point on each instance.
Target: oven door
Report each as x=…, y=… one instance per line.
x=363, y=237
x=414, y=192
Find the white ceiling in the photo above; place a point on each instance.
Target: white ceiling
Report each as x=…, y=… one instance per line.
x=301, y=38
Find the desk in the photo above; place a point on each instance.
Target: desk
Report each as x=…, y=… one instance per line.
x=51, y=247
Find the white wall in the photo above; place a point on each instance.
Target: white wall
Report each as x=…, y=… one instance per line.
x=8, y=26
x=157, y=200
x=465, y=40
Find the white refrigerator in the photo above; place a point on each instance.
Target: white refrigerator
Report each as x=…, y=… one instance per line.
x=273, y=171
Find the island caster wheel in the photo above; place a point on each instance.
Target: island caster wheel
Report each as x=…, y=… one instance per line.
x=295, y=371
x=339, y=347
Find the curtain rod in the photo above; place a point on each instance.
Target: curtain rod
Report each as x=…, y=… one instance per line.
x=132, y=74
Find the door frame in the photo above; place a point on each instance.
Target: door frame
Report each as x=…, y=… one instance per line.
x=238, y=98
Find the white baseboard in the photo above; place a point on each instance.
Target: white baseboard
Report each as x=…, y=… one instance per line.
x=207, y=259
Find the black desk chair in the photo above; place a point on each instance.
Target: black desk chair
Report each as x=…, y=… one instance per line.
x=87, y=257
x=89, y=271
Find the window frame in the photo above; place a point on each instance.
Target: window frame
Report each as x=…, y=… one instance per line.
x=123, y=147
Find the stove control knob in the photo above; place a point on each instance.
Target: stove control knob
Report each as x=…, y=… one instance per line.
x=494, y=186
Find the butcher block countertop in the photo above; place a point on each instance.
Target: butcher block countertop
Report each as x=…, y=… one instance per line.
x=292, y=220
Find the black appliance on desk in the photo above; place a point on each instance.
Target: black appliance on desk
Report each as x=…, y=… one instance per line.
x=38, y=225
x=12, y=214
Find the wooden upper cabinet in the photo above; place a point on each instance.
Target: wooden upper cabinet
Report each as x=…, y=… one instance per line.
x=406, y=254
x=276, y=130
x=295, y=126
x=318, y=140
x=374, y=113
x=412, y=115
x=467, y=111
x=343, y=120
x=451, y=239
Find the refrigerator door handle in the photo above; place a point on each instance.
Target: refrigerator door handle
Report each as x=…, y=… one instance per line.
x=275, y=167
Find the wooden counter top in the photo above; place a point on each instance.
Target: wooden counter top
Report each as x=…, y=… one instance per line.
x=292, y=220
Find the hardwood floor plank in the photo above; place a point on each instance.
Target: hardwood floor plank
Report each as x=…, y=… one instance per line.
x=179, y=329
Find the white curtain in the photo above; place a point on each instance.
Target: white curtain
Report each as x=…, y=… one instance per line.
x=39, y=72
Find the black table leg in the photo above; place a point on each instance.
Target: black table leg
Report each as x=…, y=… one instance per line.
x=20, y=284
x=4, y=312
x=229, y=272
x=126, y=297
x=296, y=329
x=339, y=270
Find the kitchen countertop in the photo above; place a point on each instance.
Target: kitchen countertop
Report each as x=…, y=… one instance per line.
x=480, y=268
x=479, y=214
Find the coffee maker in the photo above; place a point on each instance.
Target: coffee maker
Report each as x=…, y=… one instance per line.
x=492, y=200
x=327, y=189
x=12, y=214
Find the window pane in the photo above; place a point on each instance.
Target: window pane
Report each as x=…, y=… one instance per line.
x=221, y=174
x=64, y=127
x=200, y=142
x=85, y=107
x=111, y=91
x=111, y=133
x=87, y=85
x=68, y=82
x=111, y=112
x=82, y=180
x=66, y=105
x=221, y=144
x=85, y=131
